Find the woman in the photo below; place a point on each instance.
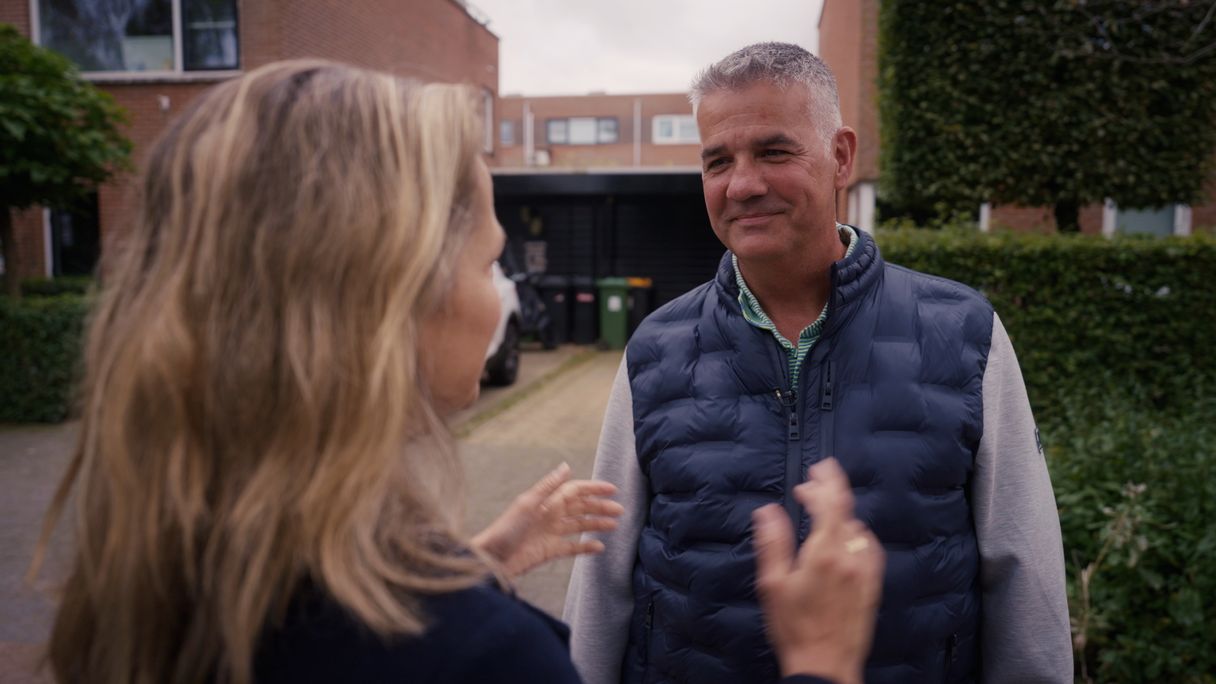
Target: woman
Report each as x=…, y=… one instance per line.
x=265, y=489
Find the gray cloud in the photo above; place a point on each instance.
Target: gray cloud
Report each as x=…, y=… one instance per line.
x=577, y=46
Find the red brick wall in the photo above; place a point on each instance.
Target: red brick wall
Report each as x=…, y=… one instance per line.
x=848, y=44
x=432, y=40
x=1042, y=220
x=620, y=154
x=17, y=13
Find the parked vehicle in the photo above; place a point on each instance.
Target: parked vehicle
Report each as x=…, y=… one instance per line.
x=502, y=357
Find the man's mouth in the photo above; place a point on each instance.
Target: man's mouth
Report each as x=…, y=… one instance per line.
x=754, y=217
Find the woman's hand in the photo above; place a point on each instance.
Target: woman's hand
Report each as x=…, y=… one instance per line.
x=820, y=605
x=542, y=523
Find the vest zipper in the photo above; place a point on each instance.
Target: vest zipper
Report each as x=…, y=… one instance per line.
x=826, y=402
x=951, y=653
x=644, y=647
x=793, y=457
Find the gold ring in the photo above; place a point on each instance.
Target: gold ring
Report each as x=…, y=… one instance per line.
x=856, y=544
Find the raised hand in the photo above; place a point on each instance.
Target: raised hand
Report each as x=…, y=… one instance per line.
x=544, y=522
x=819, y=606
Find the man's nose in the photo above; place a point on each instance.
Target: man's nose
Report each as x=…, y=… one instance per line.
x=746, y=182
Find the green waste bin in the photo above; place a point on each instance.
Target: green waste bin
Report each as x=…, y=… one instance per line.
x=614, y=312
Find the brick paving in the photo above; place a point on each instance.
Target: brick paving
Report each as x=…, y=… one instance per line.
x=556, y=422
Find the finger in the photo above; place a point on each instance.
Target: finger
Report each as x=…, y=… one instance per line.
x=774, y=541
x=827, y=497
x=576, y=547
x=592, y=506
x=586, y=524
x=589, y=488
x=550, y=483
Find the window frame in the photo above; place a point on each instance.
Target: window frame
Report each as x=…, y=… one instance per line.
x=178, y=73
x=1181, y=219
x=506, y=133
x=676, y=120
x=599, y=121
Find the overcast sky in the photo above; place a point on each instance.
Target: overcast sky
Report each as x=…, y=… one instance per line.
x=557, y=47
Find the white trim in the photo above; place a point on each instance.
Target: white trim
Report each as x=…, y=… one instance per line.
x=1109, y=211
x=1182, y=220
x=529, y=142
x=637, y=131
x=35, y=23
x=866, y=201
x=48, y=250
x=985, y=217
x=179, y=59
x=160, y=76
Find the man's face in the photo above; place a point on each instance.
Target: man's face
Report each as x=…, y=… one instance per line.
x=769, y=175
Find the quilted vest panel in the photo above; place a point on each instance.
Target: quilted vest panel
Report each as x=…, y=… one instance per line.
x=892, y=390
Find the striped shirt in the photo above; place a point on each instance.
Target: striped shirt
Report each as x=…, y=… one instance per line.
x=754, y=313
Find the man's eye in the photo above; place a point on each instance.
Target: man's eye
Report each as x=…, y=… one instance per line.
x=774, y=153
x=714, y=163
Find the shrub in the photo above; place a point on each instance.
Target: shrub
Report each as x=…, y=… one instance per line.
x=52, y=287
x=41, y=338
x=1114, y=339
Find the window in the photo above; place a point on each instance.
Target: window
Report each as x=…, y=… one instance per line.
x=607, y=130
x=555, y=131
x=506, y=133
x=581, y=130
x=675, y=129
x=1171, y=219
x=150, y=36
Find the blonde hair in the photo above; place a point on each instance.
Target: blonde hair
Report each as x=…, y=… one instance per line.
x=253, y=404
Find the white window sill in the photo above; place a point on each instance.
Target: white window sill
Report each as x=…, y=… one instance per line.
x=128, y=77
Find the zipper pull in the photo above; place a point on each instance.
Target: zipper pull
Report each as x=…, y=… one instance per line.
x=787, y=399
x=828, y=372
x=794, y=434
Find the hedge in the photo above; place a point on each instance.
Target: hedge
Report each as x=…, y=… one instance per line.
x=40, y=338
x=1115, y=339
x=52, y=287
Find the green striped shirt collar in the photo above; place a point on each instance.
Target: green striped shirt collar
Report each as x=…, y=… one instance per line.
x=754, y=313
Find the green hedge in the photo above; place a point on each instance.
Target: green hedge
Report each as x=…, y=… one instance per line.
x=40, y=338
x=1115, y=339
x=53, y=287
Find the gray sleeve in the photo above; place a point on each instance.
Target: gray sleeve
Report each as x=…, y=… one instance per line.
x=599, y=601
x=1025, y=630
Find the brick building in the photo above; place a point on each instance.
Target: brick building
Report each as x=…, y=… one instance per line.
x=597, y=131
x=168, y=51
x=848, y=43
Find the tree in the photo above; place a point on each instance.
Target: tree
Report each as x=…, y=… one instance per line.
x=1047, y=102
x=59, y=136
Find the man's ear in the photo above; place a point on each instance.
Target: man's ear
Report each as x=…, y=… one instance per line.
x=844, y=151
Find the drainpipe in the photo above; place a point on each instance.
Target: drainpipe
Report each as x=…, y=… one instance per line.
x=637, y=131
x=529, y=144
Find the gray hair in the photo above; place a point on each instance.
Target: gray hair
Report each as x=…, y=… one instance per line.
x=780, y=64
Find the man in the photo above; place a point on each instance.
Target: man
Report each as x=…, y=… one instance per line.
x=808, y=345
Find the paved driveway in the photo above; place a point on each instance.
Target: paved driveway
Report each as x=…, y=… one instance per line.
x=512, y=437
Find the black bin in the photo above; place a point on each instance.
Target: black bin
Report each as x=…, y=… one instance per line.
x=585, y=323
x=641, y=301
x=555, y=292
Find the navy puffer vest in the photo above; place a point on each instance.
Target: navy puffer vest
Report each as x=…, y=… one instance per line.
x=892, y=389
